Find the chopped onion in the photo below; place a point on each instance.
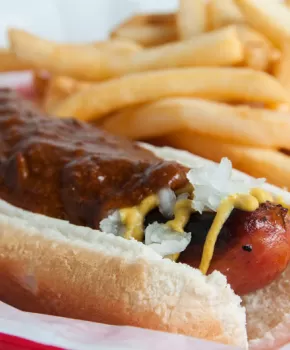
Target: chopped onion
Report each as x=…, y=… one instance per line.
x=166, y=241
x=167, y=200
x=113, y=224
x=182, y=196
x=213, y=183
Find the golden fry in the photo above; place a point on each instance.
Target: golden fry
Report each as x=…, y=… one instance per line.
x=265, y=163
x=84, y=62
x=222, y=13
x=282, y=68
x=88, y=63
x=259, y=51
x=142, y=19
x=191, y=18
x=10, y=62
x=148, y=29
x=218, y=48
x=148, y=36
x=40, y=83
x=228, y=84
x=233, y=124
x=120, y=46
x=59, y=88
x=271, y=18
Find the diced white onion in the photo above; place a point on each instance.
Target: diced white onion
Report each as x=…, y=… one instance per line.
x=113, y=224
x=213, y=183
x=182, y=196
x=167, y=200
x=165, y=241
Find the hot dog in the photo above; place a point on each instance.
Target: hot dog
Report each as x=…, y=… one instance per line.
x=62, y=180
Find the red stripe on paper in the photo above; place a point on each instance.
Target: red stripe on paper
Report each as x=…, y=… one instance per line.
x=11, y=342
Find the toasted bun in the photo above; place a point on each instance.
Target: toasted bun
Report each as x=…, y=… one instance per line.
x=51, y=266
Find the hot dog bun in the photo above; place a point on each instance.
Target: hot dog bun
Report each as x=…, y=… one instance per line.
x=51, y=266
x=268, y=309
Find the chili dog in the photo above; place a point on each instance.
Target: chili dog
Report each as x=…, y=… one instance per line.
x=61, y=181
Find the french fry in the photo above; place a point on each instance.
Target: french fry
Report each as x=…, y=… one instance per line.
x=256, y=57
x=232, y=124
x=287, y=2
x=148, y=29
x=148, y=36
x=259, y=51
x=282, y=68
x=142, y=19
x=218, y=48
x=222, y=13
x=268, y=163
x=271, y=18
x=40, y=83
x=9, y=62
x=84, y=62
x=191, y=18
x=58, y=89
x=120, y=46
x=211, y=49
x=229, y=84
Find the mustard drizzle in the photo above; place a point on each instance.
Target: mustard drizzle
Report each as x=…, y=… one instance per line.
x=133, y=218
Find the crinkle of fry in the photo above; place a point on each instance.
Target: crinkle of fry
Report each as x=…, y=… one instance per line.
x=227, y=84
x=232, y=124
x=258, y=162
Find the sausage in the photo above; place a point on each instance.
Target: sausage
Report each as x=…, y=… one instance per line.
x=252, y=250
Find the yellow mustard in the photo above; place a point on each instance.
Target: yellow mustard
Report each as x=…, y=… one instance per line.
x=280, y=200
x=249, y=202
x=182, y=213
x=262, y=195
x=243, y=202
x=133, y=218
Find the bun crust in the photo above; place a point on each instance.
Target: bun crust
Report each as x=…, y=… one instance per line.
x=99, y=277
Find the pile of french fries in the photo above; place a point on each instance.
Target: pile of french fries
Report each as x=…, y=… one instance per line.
x=212, y=78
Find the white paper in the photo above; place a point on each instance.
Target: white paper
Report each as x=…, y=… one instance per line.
x=81, y=335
